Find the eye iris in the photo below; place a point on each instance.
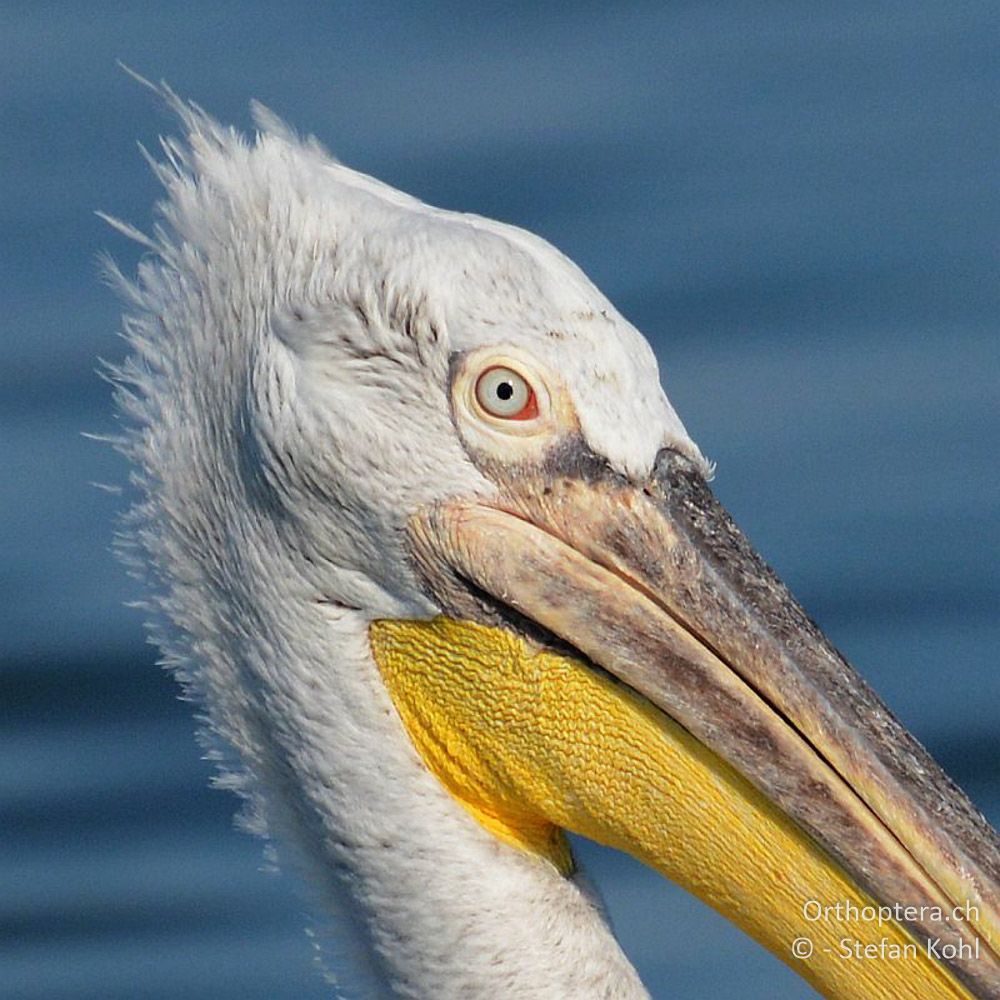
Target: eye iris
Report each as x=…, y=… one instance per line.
x=504, y=393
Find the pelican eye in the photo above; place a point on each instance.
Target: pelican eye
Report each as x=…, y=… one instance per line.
x=503, y=393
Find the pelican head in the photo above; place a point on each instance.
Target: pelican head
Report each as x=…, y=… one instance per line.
x=426, y=539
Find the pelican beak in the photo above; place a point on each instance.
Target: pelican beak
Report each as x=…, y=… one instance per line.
x=619, y=662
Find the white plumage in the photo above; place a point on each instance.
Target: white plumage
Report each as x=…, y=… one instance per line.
x=286, y=410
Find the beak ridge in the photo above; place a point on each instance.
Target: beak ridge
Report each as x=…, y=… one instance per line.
x=657, y=586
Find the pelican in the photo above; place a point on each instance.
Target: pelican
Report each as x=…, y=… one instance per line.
x=425, y=539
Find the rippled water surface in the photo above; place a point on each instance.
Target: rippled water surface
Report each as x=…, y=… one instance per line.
x=796, y=202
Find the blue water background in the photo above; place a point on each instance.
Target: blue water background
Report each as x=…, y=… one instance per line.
x=796, y=202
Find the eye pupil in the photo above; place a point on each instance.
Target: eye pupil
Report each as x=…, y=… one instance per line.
x=505, y=393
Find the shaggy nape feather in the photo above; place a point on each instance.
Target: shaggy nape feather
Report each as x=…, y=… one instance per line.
x=285, y=410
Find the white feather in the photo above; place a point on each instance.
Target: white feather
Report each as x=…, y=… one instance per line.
x=286, y=411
